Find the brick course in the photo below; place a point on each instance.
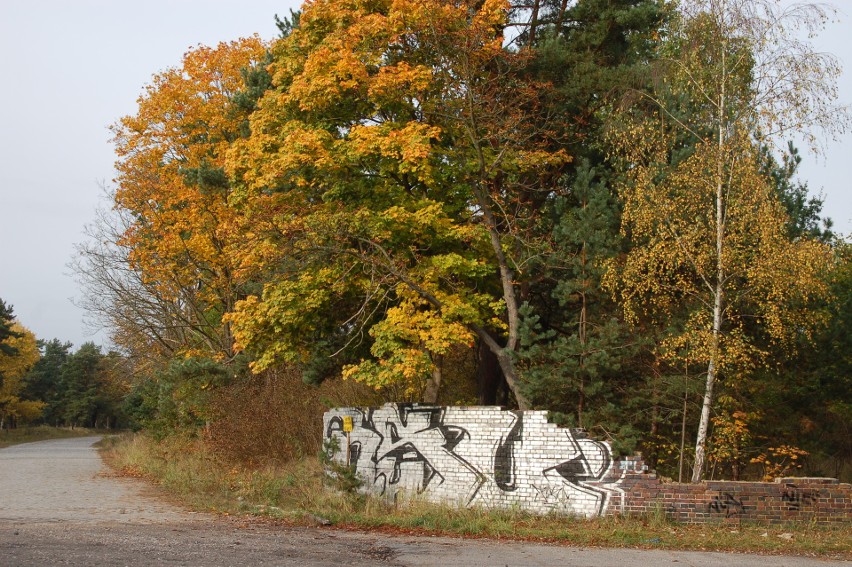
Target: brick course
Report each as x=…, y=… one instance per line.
x=787, y=500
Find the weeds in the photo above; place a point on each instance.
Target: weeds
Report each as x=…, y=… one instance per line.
x=342, y=477
x=656, y=517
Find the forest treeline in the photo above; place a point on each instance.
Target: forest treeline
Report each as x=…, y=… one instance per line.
x=583, y=206
x=44, y=382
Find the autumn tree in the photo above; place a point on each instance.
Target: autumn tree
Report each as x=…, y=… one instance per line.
x=808, y=406
x=709, y=233
x=172, y=194
x=147, y=323
x=391, y=172
x=13, y=407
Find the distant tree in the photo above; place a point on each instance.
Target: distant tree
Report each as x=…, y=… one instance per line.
x=85, y=399
x=803, y=209
x=23, y=344
x=7, y=320
x=44, y=380
x=13, y=407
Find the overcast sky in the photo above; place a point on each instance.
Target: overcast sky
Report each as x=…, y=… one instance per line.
x=70, y=68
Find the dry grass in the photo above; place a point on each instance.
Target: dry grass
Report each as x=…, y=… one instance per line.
x=297, y=493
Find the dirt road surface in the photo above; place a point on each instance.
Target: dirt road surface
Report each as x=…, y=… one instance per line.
x=59, y=507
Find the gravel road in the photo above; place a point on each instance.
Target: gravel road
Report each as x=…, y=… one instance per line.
x=58, y=506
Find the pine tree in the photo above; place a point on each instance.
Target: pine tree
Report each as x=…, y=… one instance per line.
x=7, y=318
x=573, y=345
x=44, y=381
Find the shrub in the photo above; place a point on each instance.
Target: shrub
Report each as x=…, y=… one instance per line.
x=275, y=417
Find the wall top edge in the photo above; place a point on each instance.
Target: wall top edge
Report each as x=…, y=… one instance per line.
x=437, y=406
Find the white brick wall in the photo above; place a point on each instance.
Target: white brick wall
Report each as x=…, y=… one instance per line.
x=482, y=456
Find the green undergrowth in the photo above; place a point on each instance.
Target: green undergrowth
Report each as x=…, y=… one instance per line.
x=20, y=435
x=300, y=493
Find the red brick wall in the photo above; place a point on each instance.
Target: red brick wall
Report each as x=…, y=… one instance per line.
x=820, y=500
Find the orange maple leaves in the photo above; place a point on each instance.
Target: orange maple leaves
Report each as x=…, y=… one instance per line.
x=171, y=178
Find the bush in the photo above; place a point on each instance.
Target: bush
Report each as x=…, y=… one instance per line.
x=276, y=417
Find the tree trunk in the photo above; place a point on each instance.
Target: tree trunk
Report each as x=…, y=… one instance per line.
x=504, y=357
x=534, y=21
x=488, y=374
x=683, y=423
x=581, y=332
x=712, y=370
x=506, y=364
x=703, y=424
x=718, y=295
x=562, y=9
x=433, y=386
x=513, y=318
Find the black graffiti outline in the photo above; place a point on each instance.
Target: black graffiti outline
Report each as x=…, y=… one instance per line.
x=505, y=469
x=400, y=454
x=557, y=493
x=568, y=471
x=408, y=452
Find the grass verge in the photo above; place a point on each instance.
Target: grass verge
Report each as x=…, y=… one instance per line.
x=297, y=494
x=20, y=435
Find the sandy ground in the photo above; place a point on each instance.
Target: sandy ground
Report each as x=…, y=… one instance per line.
x=58, y=506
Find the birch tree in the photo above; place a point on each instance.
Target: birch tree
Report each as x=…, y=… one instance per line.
x=709, y=233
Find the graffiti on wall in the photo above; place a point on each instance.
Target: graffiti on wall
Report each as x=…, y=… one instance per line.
x=476, y=456
x=726, y=504
x=796, y=499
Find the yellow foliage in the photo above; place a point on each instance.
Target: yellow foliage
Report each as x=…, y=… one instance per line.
x=407, y=342
x=730, y=444
x=12, y=370
x=780, y=461
x=670, y=211
x=386, y=135
x=26, y=346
